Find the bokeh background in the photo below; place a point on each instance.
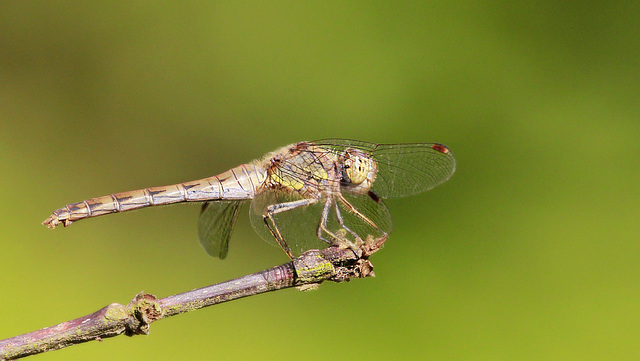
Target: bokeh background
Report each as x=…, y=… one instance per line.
x=530, y=252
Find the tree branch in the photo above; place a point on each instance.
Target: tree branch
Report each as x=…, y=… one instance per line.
x=307, y=271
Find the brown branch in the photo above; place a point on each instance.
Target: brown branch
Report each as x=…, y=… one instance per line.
x=307, y=271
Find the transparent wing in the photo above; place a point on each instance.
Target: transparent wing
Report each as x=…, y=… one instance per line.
x=299, y=226
x=403, y=169
x=215, y=225
x=375, y=211
x=408, y=169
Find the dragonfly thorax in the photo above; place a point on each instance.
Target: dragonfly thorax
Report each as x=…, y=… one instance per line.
x=301, y=168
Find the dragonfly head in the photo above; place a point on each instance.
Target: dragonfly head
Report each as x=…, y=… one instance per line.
x=358, y=171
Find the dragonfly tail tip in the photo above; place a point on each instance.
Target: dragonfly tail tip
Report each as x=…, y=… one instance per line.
x=51, y=222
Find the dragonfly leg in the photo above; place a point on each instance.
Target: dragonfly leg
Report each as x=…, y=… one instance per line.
x=322, y=227
x=271, y=224
x=341, y=222
x=353, y=210
x=323, y=222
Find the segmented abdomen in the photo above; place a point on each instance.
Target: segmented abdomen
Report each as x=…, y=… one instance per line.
x=238, y=183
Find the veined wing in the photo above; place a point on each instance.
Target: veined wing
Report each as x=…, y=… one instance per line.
x=215, y=225
x=299, y=226
x=375, y=210
x=403, y=169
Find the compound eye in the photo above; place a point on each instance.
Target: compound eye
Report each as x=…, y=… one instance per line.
x=357, y=169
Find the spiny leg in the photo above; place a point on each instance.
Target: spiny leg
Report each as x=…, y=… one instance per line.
x=344, y=226
x=274, y=209
x=322, y=226
x=353, y=209
x=323, y=221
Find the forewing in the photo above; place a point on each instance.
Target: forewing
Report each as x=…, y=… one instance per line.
x=340, y=144
x=408, y=169
x=403, y=169
x=215, y=225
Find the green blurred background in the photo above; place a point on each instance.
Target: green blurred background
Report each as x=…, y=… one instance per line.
x=530, y=251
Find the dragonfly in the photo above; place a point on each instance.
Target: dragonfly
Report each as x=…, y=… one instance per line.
x=304, y=195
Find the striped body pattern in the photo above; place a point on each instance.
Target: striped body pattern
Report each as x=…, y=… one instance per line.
x=239, y=183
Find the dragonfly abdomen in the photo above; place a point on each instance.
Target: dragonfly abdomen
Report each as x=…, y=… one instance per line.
x=236, y=184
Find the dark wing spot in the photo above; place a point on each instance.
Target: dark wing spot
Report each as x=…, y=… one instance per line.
x=440, y=148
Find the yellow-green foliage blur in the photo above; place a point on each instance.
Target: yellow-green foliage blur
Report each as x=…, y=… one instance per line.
x=530, y=252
